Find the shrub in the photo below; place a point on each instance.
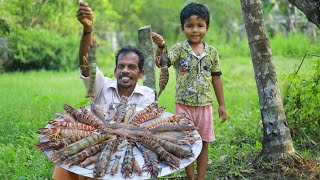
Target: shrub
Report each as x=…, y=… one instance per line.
x=302, y=106
x=41, y=49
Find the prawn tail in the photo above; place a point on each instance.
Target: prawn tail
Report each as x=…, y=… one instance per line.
x=89, y=94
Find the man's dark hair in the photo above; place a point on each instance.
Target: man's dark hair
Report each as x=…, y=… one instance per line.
x=127, y=49
x=195, y=9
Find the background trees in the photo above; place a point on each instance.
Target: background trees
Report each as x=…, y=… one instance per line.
x=116, y=24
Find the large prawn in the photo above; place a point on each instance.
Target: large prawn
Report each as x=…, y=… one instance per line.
x=173, y=127
x=129, y=112
x=56, y=144
x=121, y=108
x=151, y=161
x=82, y=155
x=77, y=147
x=98, y=110
x=92, y=70
x=82, y=117
x=172, y=119
x=166, y=157
x=173, y=148
x=63, y=132
x=164, y=72
x=90, y=160
x=144, y=111
x=103, y=160
x=114, y=169
x=112, y=114
x=151, y=115
x=71, y=125
x=127, y=165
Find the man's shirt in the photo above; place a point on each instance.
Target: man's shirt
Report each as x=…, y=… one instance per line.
x=106, y=91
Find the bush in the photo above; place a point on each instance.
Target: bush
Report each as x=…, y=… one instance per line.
x=302, y=106
x=42, y=49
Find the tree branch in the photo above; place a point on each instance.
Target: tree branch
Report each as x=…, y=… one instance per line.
x=311, y=8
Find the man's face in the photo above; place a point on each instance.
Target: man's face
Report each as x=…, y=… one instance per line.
x=127, y=71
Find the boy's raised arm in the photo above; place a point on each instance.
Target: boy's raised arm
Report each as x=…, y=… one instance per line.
x=161, y=43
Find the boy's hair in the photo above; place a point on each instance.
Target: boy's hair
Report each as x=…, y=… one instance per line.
x=195, y=9
x=127, y=49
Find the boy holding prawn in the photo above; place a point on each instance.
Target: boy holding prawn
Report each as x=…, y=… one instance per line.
x=198, y=73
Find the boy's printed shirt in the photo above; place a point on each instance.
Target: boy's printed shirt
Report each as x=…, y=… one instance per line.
x=194, y=73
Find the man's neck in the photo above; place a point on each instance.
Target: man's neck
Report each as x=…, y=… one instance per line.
x=125, y=92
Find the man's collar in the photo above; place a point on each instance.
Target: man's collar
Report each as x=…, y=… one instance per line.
x=114, y=85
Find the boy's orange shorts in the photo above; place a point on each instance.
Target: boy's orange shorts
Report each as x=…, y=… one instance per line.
x=202, y=116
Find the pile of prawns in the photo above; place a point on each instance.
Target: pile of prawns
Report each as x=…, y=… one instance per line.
x=83, y=137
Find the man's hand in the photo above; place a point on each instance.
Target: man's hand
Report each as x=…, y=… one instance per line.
x=85, y=15
x=222, y=114
x=158, y=39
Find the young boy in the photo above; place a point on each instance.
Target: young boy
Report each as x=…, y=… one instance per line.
x=197, y=73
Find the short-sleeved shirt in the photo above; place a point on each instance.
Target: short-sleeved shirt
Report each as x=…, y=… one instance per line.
x=106, y=91
x=194, y=73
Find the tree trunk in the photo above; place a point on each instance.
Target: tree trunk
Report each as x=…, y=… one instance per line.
x=146, y=46
x=277, y=142
x=289, y=21
x=311, y=8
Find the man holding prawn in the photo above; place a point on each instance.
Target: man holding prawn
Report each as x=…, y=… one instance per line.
x=129, y=68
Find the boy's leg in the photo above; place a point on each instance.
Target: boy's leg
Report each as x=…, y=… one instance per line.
x=190, y=172
x=202, y=161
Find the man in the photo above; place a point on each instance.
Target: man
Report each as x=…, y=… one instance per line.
x=129, y=68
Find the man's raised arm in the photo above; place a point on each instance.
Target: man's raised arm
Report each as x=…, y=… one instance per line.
x=85, y=17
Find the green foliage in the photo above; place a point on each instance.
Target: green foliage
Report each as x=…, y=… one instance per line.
x=41, y=49
x=294, y=45
x=55, y=15
x=4, y=28
x=163, y=18
x=222, y=24
x=302, y=106
x=32, y=45
x=106, y=18
x=121, y=20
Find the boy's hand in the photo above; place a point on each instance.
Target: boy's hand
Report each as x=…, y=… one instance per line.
x=85, y=15
x=222, y=114
x=158, y=39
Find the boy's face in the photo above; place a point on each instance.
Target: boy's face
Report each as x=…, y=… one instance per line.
x=127, y=71
x=194, y=28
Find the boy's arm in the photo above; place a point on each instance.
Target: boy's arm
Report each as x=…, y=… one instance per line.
x=85, y=17
x=218, y=89
x=158, y=39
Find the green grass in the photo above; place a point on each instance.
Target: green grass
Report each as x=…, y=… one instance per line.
x=28, y=101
